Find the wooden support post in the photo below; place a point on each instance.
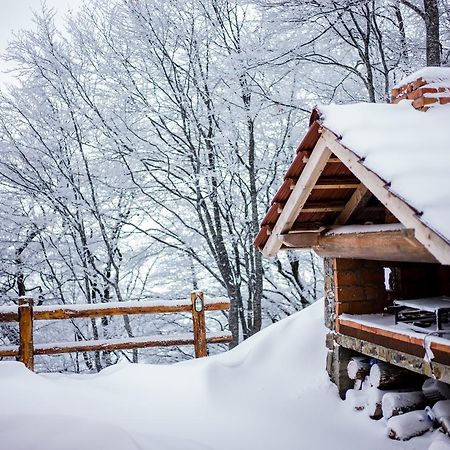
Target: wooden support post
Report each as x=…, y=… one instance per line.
x=198, y=319
x=26, y=332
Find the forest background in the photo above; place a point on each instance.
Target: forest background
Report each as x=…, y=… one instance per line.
x=142, y=140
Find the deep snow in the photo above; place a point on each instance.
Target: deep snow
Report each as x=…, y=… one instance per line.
x=272, y=392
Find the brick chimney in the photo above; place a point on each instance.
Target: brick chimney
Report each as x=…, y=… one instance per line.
x=426, y=88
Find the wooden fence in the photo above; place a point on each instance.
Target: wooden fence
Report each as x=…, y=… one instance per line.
x=26, y=313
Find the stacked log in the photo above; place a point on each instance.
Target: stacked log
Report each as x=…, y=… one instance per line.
x=435, y=390
x=384, y=390
x=357, y=399
x=358, y=368
x=387, y=376
x=374, y=399
x=396, y=403
x=409, y=425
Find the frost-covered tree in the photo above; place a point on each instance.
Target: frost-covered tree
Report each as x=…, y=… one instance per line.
x=141, y=145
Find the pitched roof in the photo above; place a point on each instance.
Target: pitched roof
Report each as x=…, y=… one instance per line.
x=408, y=149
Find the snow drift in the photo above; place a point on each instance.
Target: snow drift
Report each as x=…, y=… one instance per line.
x=272, y=392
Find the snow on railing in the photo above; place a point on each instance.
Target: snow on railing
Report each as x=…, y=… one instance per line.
x=25, y=313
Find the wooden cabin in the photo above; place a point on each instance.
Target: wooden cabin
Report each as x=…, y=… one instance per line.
x=369, y=190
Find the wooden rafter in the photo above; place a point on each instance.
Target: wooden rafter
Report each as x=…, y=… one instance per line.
x=323, y=207
x=308, y=178
x=357, y=200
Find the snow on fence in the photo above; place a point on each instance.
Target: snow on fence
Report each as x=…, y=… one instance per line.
x=26, y=313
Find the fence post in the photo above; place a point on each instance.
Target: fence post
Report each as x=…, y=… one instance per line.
x=26, y=332
x=198, y=318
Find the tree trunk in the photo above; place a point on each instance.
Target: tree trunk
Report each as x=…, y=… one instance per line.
x=432, y=32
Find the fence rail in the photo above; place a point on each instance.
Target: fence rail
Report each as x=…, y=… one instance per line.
x=26, y=313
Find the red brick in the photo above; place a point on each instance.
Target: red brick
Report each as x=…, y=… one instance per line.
x=346, y=278
x=375, y=293
x=350, y=293
x=423, y=102
x=419, y=92
x=372, y=276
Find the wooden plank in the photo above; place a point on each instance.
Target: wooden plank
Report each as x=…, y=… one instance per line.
x=26, y=332
x=61, y=312
x=65, y=312
x=361, y=195
x=395, y=245
x=10, y=350
x=10, y=316
x=128, y=343
x=336, y=183
x=308, y=178
x=199, y=325
x=322, y=207
x=434, y=243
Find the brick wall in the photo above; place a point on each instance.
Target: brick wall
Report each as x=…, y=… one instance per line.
x=359, y=286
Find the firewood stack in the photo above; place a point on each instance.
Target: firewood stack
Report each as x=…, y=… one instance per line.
x=409, y=405
x=424, y=93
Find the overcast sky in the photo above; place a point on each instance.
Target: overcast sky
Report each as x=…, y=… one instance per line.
x=18, y=14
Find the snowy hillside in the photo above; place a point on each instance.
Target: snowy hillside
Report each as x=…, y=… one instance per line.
x=270, y=393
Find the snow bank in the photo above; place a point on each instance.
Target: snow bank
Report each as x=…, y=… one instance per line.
x=270, y=393
x=407, y=148
x=441, y=442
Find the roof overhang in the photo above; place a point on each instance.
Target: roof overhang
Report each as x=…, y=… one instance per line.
x=418, y=242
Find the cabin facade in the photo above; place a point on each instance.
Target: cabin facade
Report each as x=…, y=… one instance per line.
x=369, y=190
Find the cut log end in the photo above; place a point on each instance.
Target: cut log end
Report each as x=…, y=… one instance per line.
x=358, y=368
x=387, y=376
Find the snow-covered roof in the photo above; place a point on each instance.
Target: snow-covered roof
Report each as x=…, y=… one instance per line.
x=409, y=149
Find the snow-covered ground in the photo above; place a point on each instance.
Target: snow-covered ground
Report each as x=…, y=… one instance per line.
x=271, y=392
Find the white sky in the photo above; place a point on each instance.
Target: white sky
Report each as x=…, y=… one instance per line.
x=18, y=14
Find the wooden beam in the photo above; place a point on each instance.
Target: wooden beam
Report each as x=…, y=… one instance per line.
x=26, y=332
x=129, y=343
x=322, y=207
x=359, y=197
x=308, y=178
x=395, y=245
x=61, y=312
x=434, y=243
x=294, y=241
x=336, y=183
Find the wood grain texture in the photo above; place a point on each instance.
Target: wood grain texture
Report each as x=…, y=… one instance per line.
x=26, y=332
x=199, y=325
